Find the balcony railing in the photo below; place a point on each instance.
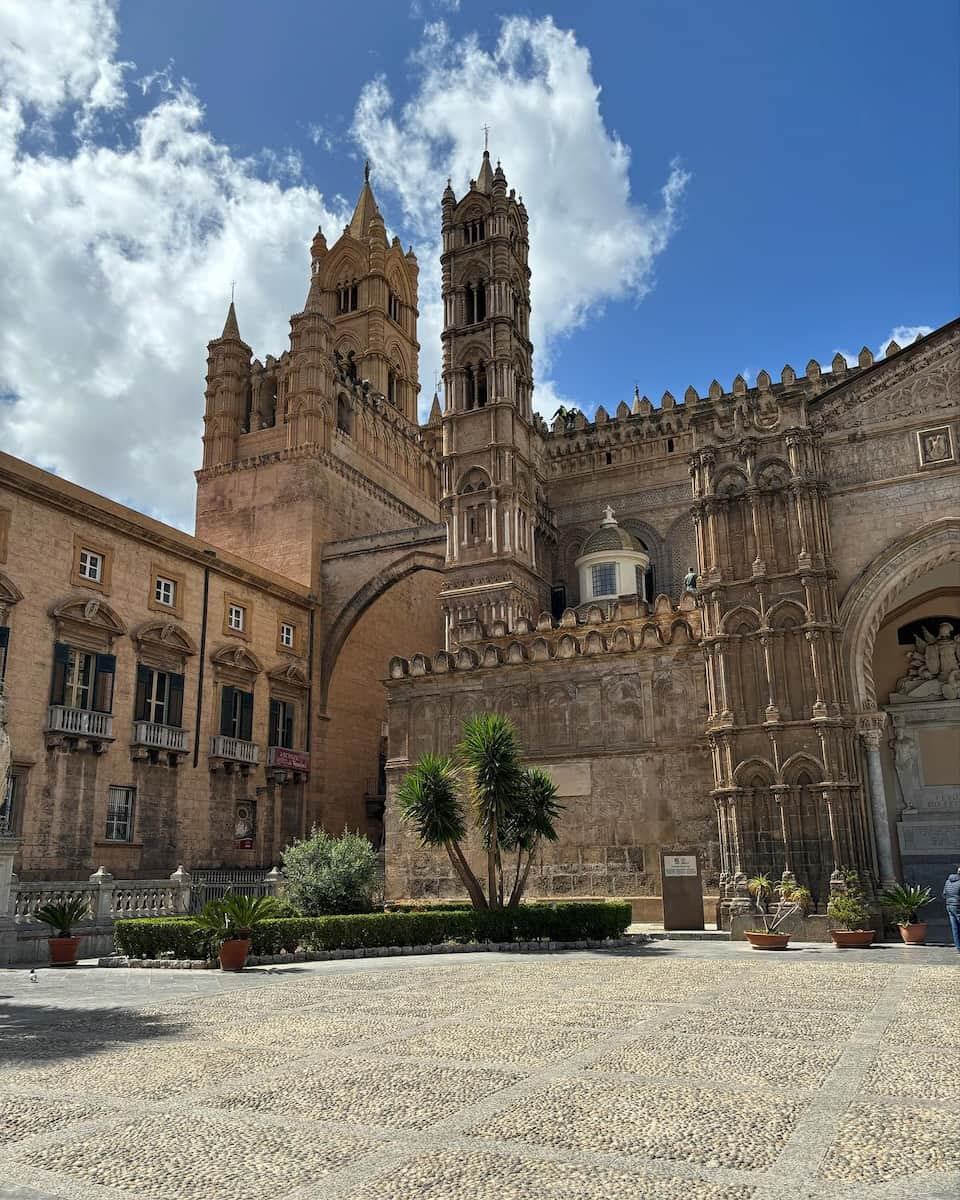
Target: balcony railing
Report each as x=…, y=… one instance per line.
x=79, y=722
x=160, y=737
x=234, y=750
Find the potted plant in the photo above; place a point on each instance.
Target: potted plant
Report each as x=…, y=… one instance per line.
x=230, y=921
x=905, y=901
x=850, y=917
x=793, y=901
x=61, y=919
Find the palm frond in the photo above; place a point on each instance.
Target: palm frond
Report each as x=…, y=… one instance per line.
x=429, y=801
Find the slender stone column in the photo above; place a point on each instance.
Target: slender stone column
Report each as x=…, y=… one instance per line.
x=871, y=728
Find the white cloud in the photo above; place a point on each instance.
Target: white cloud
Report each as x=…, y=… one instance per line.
x=118, y=259
x=590, y=241
x=903, y=335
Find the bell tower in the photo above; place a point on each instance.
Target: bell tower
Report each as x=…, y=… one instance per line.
x=492, y=446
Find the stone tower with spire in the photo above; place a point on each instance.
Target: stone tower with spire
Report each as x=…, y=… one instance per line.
x=322, y=443
x=498, y=530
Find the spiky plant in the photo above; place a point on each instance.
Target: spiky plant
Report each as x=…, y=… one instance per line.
x=490, y=752
x=531, y=819
x=906, y=900
x=63, y=916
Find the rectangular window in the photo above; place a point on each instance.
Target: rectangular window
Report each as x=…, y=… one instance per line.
x=159, y=697
x=4, y=647
x=236, y=617
x=10, y=805
x=640, y=576
x=90, y=566
x=287, y=635
x=120, y=814
x=165, y=592
x=283, y=716
x=236, y=714
x=82, y=679
x=604, y=579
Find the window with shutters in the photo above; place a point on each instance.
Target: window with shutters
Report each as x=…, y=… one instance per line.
x=120, y=814
x=4, y=647
x=82, y=679
x=159, y=697
x=11, y=803
x=236, y=714
x=283, y=723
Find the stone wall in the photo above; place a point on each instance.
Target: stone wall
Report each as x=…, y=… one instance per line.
x=612, y=705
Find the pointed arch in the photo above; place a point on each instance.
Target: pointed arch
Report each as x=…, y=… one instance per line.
x=800, y=764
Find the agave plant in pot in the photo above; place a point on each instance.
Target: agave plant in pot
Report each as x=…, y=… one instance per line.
x=792, y=903
x=905, y=902
x=230, y=921
x=850, y=918
x=61, y=918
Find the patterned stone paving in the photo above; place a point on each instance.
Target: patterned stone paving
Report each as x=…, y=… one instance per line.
x=684, y=1073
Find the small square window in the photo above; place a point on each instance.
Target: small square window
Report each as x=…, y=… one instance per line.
x=120, y=814
x=91, y=566
x=287, y=635
x=236, y=617
x=604, y=579
x=165, y=592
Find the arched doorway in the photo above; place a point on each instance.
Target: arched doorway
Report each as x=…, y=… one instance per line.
x=397, y=614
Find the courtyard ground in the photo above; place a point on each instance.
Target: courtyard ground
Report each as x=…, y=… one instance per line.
x=698, y=1070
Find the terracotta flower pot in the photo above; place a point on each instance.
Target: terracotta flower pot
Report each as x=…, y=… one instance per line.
x=914, y=935
x=233, y=954
x=63, y=951
x=852, y=939
x=768, y=941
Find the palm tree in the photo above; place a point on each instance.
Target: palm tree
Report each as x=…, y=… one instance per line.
x=531, y=820
x=429, y=800
x=490, y=753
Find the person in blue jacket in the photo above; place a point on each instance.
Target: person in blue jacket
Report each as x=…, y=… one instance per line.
x=951, y=894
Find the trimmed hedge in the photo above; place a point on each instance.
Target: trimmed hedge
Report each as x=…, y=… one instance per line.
x=529, y=923
x=428, y=906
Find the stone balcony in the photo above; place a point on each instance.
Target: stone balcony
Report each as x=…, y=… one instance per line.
x=151, y=741
x=78, y=728
x=284, y=765
x=232, y=754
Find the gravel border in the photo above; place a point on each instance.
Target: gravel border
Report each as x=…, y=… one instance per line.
x=265, y=960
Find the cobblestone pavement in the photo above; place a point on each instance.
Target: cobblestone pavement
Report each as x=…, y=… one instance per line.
x=675, y=1072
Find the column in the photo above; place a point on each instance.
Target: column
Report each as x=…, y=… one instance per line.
x=870, y=731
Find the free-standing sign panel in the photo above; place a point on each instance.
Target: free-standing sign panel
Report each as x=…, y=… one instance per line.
x=682, y=890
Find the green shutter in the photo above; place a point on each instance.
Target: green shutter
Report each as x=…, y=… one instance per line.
x=175, y=705
x=61, y=656
x=246, y=716
x=274, y=733
x=143, y=687
x=288, y=726
x=226, y=712
x=103, y=683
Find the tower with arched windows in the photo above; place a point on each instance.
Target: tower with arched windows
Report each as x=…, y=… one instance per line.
x=492, y=487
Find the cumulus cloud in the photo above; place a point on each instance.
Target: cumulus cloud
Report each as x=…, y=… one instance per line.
x=119, y=251
x=591, y=241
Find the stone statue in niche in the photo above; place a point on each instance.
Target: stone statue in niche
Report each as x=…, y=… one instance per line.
x=933, y=667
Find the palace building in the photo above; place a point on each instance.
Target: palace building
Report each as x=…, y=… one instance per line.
x=727, y=623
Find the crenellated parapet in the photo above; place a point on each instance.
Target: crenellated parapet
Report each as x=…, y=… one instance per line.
x=642, y=430
x=624, y=627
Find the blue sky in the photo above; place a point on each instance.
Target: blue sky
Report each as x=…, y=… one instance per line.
x=809, y=152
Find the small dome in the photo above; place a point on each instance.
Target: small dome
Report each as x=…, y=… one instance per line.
x=611, y=537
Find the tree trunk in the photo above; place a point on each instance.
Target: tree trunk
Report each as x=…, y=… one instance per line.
x=467, y=877
x=492, y=851
x=521, y=883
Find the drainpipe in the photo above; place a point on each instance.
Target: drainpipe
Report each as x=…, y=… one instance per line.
x=203, y=648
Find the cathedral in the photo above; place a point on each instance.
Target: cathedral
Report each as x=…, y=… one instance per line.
x=727, y=624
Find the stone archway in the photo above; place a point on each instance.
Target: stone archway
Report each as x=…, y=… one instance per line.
x=875, y=593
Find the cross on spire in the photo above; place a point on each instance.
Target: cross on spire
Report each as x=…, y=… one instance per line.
x=486, y=137
x=233, y=286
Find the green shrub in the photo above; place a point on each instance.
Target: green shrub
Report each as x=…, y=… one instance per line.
x=330, y=875
x=847, y=911
x=530, y=922
x=159, y=937
x=427, y=906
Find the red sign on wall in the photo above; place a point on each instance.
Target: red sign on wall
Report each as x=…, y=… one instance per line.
x=290, y=760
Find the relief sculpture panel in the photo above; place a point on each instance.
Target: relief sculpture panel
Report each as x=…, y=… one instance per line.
x=623, y=716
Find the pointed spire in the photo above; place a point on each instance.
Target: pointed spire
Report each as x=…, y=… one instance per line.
x=485, y=178
x=366, y=208
x=436, y=416
x=230, y=328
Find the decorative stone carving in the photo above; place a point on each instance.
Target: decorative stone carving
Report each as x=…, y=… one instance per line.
x=933, y=667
